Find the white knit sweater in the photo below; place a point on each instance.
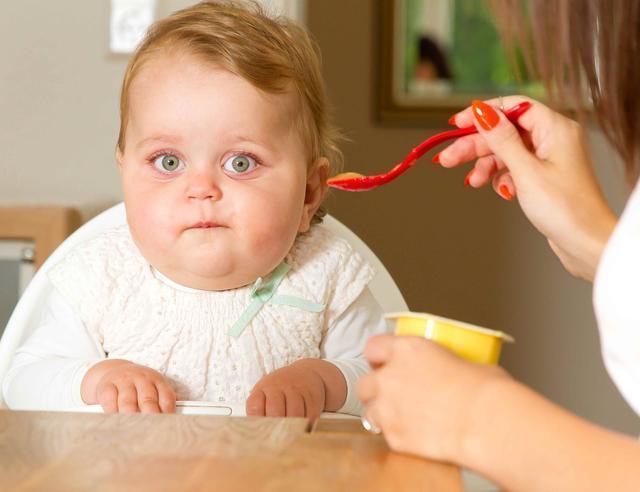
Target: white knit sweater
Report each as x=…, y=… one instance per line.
x=182, y=333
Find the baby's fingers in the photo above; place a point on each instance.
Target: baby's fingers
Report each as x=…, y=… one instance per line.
x=275, y=405
x=166, y=397
x=295, y=404
x=147, y=396
x=107, y=396
x=313, y=407
x=256, y=402
x=127, y=398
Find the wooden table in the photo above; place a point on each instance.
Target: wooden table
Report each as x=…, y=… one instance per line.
x=76, y=451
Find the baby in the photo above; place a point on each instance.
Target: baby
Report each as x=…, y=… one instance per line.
x=223, y=287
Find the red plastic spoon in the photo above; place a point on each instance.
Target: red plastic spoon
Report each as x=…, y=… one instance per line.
x=359, y=182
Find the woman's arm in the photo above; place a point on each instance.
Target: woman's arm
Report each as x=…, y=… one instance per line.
x=524, y=442
x=431, y=403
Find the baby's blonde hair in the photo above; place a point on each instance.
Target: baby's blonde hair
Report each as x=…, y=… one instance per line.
x=274, y=54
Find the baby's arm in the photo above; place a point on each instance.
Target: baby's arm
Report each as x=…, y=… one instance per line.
x=61, y=366
x=309, y=386
x=344, y=342
x=47, y=370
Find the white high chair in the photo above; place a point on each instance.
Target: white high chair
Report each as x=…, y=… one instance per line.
x=27, y=312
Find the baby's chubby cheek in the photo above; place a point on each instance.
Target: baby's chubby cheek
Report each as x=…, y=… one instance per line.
x=269, y=219
x=153, y=229
x=273, y=238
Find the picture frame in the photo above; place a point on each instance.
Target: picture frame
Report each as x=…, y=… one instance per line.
x=436, y=56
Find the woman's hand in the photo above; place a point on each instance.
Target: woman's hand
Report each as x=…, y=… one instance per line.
x=303, y=389
x=431, y=403
x=547, y=167
x=122, y=386
x=422, y=395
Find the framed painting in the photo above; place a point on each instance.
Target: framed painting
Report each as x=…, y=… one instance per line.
x=438, y=55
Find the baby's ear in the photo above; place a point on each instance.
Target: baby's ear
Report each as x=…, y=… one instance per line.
x=315, y=192
x=119, y=157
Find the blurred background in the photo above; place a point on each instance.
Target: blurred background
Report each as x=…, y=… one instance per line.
x=453, y=251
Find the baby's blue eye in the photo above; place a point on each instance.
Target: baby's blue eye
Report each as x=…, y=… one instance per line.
x=167, y=163
x=239, y=164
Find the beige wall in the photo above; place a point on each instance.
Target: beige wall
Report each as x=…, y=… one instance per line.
x=453, y=251
x=59, y=99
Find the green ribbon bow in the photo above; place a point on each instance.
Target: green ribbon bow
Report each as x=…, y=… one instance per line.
x=265, y=293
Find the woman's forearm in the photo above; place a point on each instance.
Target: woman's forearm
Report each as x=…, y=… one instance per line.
x=593, y=243
x=524, y=442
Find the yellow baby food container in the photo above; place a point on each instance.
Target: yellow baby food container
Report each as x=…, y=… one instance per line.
x=472, y=342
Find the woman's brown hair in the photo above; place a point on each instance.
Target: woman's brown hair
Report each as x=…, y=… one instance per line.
x=594, y=43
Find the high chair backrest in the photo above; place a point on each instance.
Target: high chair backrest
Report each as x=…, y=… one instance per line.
x=28, y=311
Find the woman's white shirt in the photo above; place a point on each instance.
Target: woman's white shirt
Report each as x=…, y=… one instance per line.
x=617, y=303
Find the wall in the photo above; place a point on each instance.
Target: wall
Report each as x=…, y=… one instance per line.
x=454, y=251
x=59, y=98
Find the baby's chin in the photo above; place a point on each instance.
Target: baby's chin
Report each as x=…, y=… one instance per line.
x=210, y=274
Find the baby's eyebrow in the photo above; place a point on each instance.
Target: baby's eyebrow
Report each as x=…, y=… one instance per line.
x=172, y=139
x=239, y=138
x=232, y=139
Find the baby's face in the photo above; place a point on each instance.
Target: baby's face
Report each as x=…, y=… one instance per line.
x=214, y=174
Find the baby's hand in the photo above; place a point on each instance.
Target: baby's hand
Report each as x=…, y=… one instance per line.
x=296, y=390
x=122, y=386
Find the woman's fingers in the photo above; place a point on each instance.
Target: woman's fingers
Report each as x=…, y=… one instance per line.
x=465, y=149
x=482, y=172
x=503, y=138
x=504, y=186
x=367, y=388
x=370, y=420
x=491, y=169
x=379, y=349
x=465, y=118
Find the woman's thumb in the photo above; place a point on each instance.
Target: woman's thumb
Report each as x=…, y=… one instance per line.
x=502, y=137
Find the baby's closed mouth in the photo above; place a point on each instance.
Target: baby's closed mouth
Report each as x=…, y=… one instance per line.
x=205, y=225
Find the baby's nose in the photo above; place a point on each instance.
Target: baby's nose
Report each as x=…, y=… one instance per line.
x=203, y=186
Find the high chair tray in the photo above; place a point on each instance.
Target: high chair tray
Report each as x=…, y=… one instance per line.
x=182, y=407
x=203, y=408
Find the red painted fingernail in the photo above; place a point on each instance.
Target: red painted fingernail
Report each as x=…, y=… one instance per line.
x=436, y=158
x=485, y=115
x=505, y=193
x=468, y=178
x=452, y=120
